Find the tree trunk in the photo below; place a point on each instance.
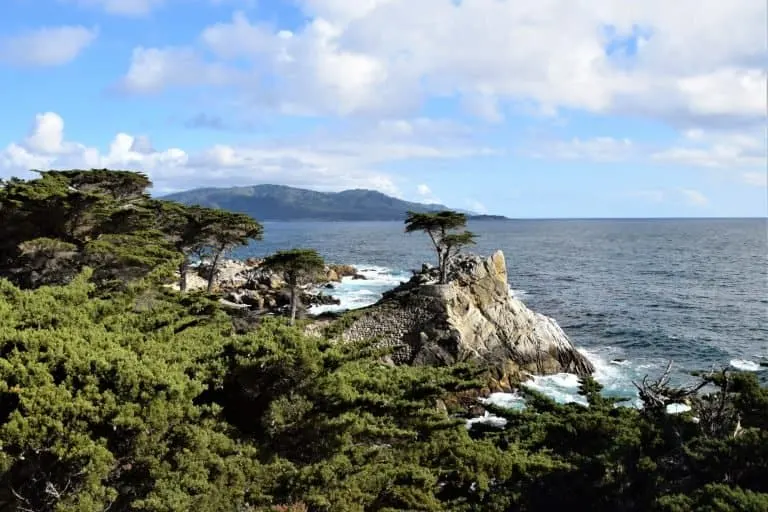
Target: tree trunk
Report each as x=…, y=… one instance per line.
x=212, y=271
x=443, y=257
x=183, y=268
x=293, y=304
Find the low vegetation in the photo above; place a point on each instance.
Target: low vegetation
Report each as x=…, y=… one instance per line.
x=119, y=394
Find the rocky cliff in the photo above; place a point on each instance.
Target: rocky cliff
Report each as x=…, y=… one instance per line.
x=473, y=317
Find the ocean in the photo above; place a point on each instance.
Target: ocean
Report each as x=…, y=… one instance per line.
x=631, y=294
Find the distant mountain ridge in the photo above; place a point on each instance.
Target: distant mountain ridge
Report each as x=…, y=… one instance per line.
x=283, y=203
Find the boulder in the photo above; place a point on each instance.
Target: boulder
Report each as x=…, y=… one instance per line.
x=343, y=270
x=319, y=299
x=253, y=299
x=253, y=262
x=472, y=318
x=331, y=276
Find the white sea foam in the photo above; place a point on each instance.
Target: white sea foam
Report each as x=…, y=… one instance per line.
x=745, y=366
x=678, y=408
x=562, y=387
x=487, y=419
x=517, y=294
x=359, y=293
x=506, y=400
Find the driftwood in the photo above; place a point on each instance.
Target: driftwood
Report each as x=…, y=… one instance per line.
x=715, y=412
x=659, y=394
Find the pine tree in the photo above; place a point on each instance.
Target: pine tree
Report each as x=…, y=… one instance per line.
x=440, y=226
x=297, y=266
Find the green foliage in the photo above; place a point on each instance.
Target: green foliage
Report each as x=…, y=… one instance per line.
x=440, y=226
x=716, y=498
x=220, y=232
x=54, y=226
x=298, y=266
x=434, y=222
x=99, y=402
x=147, y=400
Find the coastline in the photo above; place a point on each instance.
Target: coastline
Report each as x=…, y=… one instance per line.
x=614, y=370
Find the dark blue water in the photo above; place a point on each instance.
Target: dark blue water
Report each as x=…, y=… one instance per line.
x=694, y=291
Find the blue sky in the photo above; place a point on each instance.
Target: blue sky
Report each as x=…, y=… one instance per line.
x=608, y=108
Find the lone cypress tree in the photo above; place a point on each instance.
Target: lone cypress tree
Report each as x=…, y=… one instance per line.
x=297, y=266
x=441, y=226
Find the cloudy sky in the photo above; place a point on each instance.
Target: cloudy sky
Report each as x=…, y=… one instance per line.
x=546, y=108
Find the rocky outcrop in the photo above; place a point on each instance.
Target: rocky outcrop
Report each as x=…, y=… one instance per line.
x=335, y=273
x=247, y=285
x=266, y=291
x=473, y=317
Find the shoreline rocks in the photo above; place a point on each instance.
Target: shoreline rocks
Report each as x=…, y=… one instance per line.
x=472, y=318
x=246, y=285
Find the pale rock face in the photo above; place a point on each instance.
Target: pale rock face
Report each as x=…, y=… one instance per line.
x=473, y=317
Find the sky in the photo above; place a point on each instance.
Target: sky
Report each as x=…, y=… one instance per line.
x=530, y=109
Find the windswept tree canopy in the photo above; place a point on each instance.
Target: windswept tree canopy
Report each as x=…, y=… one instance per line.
x=222, y=231
x=297, y=266
x=441, y=227
x=434, y=223
x=53, y=226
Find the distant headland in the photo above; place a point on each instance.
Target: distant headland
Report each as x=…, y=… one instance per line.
x=282, y=203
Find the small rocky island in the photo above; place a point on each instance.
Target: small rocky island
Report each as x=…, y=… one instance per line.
x=471, y=318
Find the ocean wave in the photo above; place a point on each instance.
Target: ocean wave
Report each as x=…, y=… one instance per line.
x=562, y=387
x=505, y=400
x=745, y=365
x=517, y=294
x=616, y=379
x=359, y=293
x=377, y=276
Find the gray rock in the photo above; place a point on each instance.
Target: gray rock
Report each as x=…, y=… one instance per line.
x=473, y=317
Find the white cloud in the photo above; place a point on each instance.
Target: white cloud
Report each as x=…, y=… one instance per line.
x=422, y=127
x=756, y=178
x=424, y=190
x=239, y=38
x=743, y=153
x=730, y=91
x=48, y=46
x=426, y=195
x=329, y=163
x=694, y=197
x=345, y=59
x=597, y=149
x=477, y=207
x=689, y=197
x=154, y=69
x=47, y=136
